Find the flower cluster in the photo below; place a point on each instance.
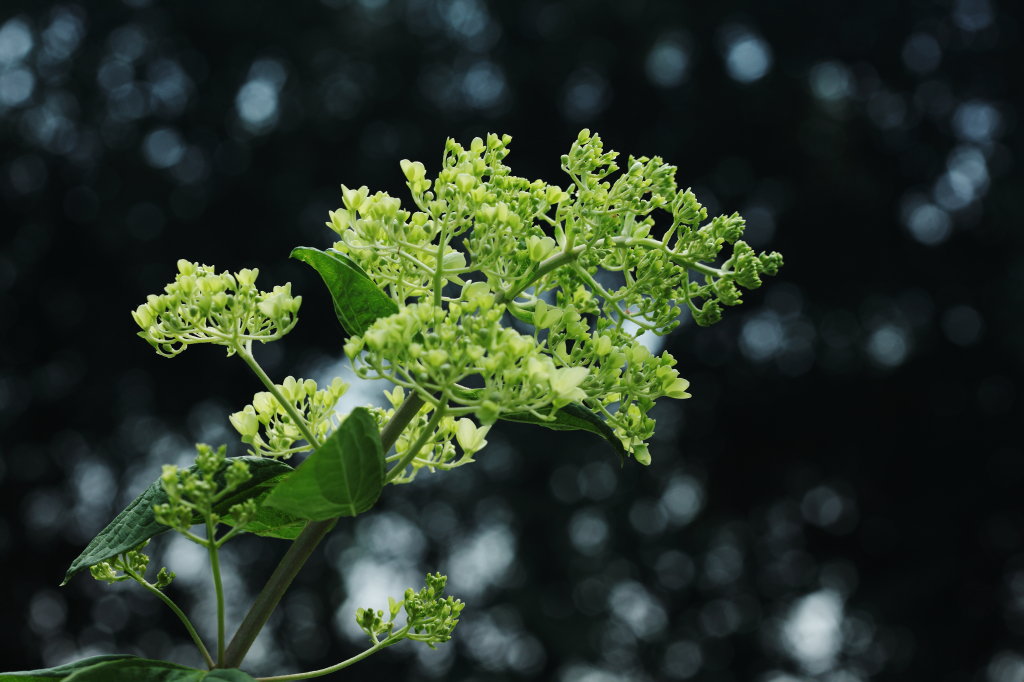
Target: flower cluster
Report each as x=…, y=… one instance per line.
x=192, y=495
x=434, y=442
x=429, y=617
x=130, y=565
x=397, y=246
x=588, y=268
x=204, y=306
x=267, y=427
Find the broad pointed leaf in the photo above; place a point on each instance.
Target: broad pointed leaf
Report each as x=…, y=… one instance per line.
x=270, y=522
x=132, y=669
x=61, y=671
x=358, y=301
x=137, y=523
x=343, y=477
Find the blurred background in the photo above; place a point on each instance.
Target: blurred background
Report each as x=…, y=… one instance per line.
x=840, y=500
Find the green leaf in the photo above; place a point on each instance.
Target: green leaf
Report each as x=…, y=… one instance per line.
x=358, y=301
x=343, y=477
x=572, y=417
x=228, y=675
x=132, y=669
x=270, y=522
x=136, y=523
x=61, y=671
x=137, y=670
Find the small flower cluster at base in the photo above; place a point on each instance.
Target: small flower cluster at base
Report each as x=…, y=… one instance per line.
x=130, y=565
x=430, y=617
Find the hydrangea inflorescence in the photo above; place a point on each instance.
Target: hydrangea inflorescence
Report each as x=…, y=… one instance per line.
x=588, y=269
x=497, y=297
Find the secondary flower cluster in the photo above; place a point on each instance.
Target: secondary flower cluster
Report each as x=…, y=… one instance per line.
x=204, y=306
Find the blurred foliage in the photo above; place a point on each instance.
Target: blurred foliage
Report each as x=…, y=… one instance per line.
x=840, y=500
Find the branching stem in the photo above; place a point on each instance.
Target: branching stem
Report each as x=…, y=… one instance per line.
x=392, y=639
x=410, y=455
x=300, y=550
x=178, y=612
x=245, y=352
x=218, y=585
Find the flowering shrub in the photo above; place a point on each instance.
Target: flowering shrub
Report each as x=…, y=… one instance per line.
x=492, y=297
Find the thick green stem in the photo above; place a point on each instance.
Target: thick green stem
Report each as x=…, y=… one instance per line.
x=246, y=354
x=299, y=552
x=414, y=450
x=573, y=252
x=179, y=613
x=543, y=268
x=218, y=586
x=393, y=639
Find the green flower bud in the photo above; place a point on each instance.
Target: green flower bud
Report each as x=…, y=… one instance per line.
x=245, y=422
x=354, y=198
x=144, y=316
x=470, y=437
x=264, y=403
x=413, y=170
x=545, y=316
x=488, y=411
x=237, y=473
x=539, y=247
x=677, y=389
x=353, y=346
x=565, y=384
x=436, y=357
x=602, y=345
x=340, y=221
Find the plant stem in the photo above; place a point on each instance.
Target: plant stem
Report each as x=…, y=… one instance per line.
x=218, y=587
x=543, y=268
x=414, y=450
x=259, y=613
x=179, y=613
x=409, y=408
x=300, y=550
x=573, y=252
x=246, y=354
x=344, y=664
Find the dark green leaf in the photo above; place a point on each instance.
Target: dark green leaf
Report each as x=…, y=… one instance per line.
x=131, y=669
x=136, y=523
x=343, y=477
x=270, y=522
x=358, y=301
x=61, y=671
x=572, y=417
x=137, y=670
x=229, y=675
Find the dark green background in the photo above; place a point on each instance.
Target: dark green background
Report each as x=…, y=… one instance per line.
x=853, y=439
